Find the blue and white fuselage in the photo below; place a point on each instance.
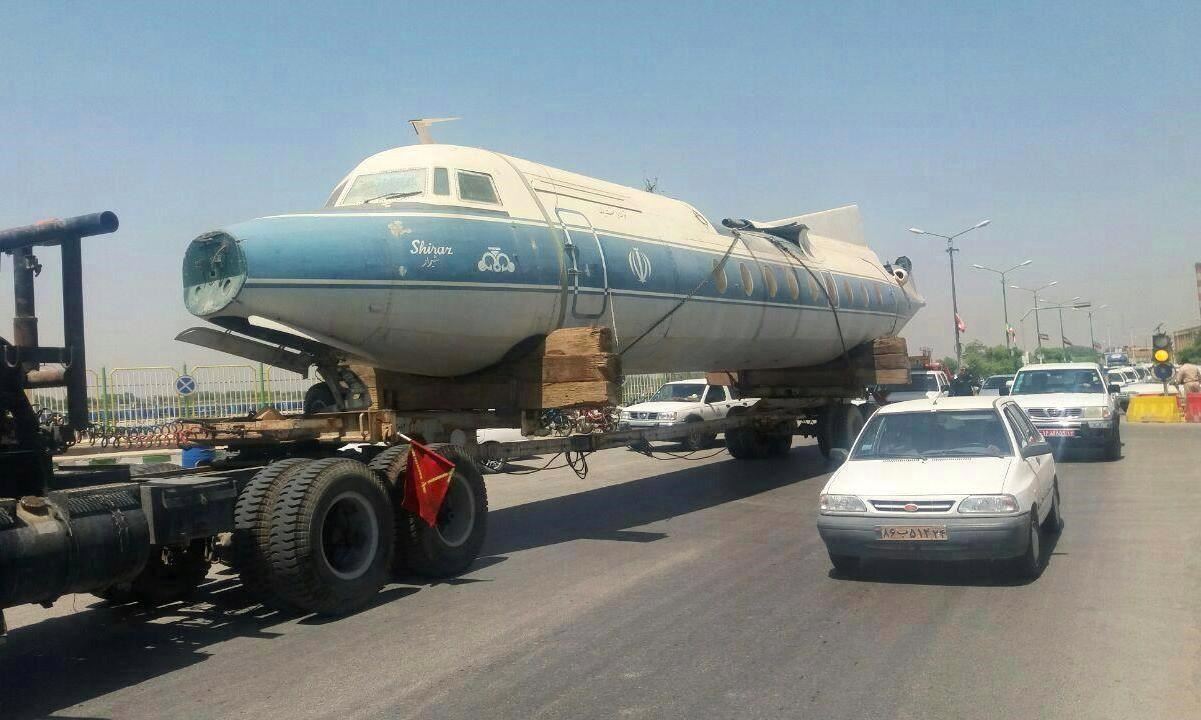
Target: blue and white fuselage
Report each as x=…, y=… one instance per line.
x=437, y=260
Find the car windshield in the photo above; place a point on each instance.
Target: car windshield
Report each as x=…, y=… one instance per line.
x=943, y=433
x=918, y=382
x=391, y=185
x=996, y=382
x=1116, y=377
x=684, y=392
x=1042, y=382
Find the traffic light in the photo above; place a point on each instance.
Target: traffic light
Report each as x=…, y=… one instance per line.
x=1161, y=355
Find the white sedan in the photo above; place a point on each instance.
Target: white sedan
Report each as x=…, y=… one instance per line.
x=961, y=478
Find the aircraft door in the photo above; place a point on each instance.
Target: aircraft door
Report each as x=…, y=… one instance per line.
x=587, y=274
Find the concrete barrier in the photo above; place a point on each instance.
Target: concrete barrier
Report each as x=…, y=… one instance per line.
x=1192, y=407
x=1154, y=408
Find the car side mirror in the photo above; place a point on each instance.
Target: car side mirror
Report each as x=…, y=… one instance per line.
x=1114, y=389
x=1038, y=448
x=839, y=455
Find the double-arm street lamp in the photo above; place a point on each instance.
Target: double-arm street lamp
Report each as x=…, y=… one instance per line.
x=1038, y=329
x=1004, y=299
x=951, y=250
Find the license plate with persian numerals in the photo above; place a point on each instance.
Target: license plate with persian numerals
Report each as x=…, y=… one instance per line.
x=913, y=532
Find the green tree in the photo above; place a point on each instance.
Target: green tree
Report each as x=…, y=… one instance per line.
x=1190, y=354
x=984, y=360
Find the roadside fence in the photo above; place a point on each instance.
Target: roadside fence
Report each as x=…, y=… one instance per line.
x=142, y=406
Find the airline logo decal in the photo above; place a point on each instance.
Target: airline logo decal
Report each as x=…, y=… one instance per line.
x=495, y=261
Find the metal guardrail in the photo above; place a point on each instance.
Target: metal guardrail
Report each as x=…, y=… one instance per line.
x=141, y=407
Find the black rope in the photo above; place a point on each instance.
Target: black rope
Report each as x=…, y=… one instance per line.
x=579, y=465
x=720, y=266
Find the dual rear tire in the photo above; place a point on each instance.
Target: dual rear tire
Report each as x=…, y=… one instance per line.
x=325, y=536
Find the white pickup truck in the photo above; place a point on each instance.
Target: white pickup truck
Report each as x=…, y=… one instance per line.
x=923, y=385
x=685, y=401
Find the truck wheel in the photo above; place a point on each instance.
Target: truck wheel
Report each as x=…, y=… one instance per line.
x=454, y=542
x=251, y=541
x=332, y=533
x=318, y=399
x=779, y=444
x=844, y=423
x=1113, y=448
x=389, y=466
x=170, y=574
x=745, y=444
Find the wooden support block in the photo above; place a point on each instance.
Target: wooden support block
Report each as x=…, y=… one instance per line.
x=570, y=367
x=881, y=362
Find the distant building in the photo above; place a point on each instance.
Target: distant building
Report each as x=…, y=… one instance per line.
x=1186, y=337
x=1138, y=354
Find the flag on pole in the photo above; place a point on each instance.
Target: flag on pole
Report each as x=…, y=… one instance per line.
x=1011, y=332
x=427, y=478
x=1044, y=336
x=1065, y=340
x=959, y=323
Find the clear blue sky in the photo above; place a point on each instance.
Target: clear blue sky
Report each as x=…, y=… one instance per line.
x=1075, y=127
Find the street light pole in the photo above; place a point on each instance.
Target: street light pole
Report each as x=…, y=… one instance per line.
x=1004, y=297
x=1038, y=328
x=951, y=250
x=1063, y=341
x=1092, y=339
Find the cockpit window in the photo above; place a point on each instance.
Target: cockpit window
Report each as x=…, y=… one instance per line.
x=441, y=181
x=477, y=187
x=385, y=186
x=337, y=193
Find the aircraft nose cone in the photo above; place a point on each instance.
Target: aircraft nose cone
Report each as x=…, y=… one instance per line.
x=214, y=269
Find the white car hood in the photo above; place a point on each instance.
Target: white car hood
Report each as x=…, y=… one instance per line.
x=1061, y=400
x=658, y=407
x=912, y=478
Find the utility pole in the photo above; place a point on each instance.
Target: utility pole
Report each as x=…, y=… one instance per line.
x=1038, y=328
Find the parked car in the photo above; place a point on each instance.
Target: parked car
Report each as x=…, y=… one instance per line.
x=685, y=401
x=959, y=478
x=995, y=385
x=1072, y=405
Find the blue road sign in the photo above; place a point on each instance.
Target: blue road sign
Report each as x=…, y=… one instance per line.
x=185, y=385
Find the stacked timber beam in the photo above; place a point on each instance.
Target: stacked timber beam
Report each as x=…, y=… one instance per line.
x=570, y=367
x=884, y=361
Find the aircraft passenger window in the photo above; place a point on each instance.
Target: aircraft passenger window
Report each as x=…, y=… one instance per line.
x=815, y=292
x=769, y=279
x=476, y=187
x=846, y=285
x=879, y=296
x=832, y=289
x=794, y=288
x=441, y=181
x=748, y=282
x=392, y=185
x=719, y=275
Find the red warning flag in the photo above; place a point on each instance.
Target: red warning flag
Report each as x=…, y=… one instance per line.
x=427, y=479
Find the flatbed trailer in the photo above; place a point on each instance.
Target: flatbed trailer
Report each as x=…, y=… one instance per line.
x=307, y=509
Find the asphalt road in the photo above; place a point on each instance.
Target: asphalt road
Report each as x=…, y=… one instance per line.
x=673, y=589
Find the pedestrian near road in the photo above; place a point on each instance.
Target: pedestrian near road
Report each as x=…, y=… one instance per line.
x=961, y=386
x=1188, y=378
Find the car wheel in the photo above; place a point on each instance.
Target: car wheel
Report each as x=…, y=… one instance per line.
x=492, y=467
x=1028, y=565
x=697, y=438
x=846, y=564
x=1054, y=521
